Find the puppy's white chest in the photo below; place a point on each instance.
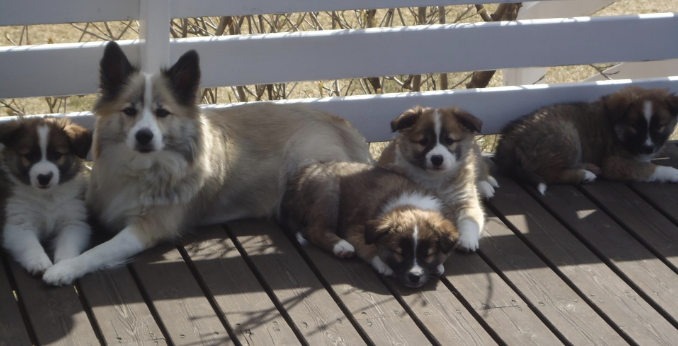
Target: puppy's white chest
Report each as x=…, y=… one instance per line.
x=42, y=212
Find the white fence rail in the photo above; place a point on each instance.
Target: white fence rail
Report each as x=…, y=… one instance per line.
x=66, y=69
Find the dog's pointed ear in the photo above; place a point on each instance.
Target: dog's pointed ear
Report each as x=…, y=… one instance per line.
x=80, y=139
x=114, y=69
x=672, y=101
x=448, y=235
x=375, y=229
x=8, y=131
x=184, y=78
x=407, y=119
x=467, y=120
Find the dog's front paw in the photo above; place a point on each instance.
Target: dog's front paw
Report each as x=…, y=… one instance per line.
x=589, y=177
x=343, y=249
x=440, y=269
x=381, y=267
x=37, y=264
x=664, y=174
x=486, y=189
x=469, y=236
x=64, y=272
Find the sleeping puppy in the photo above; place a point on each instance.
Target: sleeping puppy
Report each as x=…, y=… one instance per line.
x=383, y=217
x=614, y=137
x=44, y=171
x=436, y=148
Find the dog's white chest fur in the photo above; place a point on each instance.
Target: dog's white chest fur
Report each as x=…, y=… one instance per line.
x=45, y=211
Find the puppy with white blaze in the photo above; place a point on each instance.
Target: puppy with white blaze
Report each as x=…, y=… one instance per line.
x=162, y=165
x=437, y=149
x=46, y=188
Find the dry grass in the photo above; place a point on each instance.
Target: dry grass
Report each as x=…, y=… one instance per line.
x=85, y=32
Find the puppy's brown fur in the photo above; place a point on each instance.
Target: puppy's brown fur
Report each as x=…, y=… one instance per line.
x=387, y=219
x=573, y=143
x=458, y=177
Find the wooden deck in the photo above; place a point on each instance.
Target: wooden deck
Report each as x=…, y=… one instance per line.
x=596, y=264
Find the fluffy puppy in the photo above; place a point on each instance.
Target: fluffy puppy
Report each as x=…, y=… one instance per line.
x=436, y=148
x=383, y=217
x=163, y=165
x=614, y=137
x=47, y=182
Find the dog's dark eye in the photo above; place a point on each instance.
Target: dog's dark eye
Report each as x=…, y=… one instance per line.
x=161, y=113
x=423, y=142
x=449, y=141
x=661, y=129
x=57, y=155
x=131, y=111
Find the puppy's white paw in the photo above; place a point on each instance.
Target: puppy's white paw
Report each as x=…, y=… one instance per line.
x=492, y=181
x=486, y=189
x=381, y=267
x=64, y=273
x=301, y=239
x=343, y=249
x=440, y=269
x=589, y=177
x=664, y=174
x=469, y=236
x=37, y=264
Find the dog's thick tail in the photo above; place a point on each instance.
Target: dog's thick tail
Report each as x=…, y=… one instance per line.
x=528, y=177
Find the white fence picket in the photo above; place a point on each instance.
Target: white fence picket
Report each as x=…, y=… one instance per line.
x=285, y=57
x=372, y=114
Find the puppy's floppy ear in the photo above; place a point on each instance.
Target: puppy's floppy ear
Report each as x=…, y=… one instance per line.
x=80, y=139
x=375, y=229
x=468, y=121
x=407, y=119
x=617, y=104
x=672, y=101
x=448, y=235
x=184, y=78
x=114, y=69
x=8, y=131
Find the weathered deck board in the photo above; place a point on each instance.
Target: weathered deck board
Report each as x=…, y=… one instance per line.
x=183, y=308
x=638, y=216
x=549, y=294
x=372, y=305
x=495, y=302
x=443, y=314
x=56, y=313
x=311, y=307
x=664, y=197
x=12, y=329
x=247, y=307
x=119, y=308
x=647, y=272
x=596, y=281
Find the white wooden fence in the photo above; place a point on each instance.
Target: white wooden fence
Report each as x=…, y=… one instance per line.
x=68, y=69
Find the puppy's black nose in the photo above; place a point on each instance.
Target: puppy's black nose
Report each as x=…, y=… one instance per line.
x=437, y=160
x=44, y=179
x=144, y=136
x=414, y=278
x=647, y=149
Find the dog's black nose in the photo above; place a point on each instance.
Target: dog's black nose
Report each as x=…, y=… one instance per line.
x=414, y=278
x=437, y=160
x=144, y=136
x=647, y=149
x=44, y=179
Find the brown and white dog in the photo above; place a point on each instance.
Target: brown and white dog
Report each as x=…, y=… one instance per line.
x=385, y=218
x=47, y=181
x=437, y=149
x=575, y=143
x=163, y=165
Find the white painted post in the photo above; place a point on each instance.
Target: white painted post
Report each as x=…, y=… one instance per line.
x=154, y=34
x=549, y=9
